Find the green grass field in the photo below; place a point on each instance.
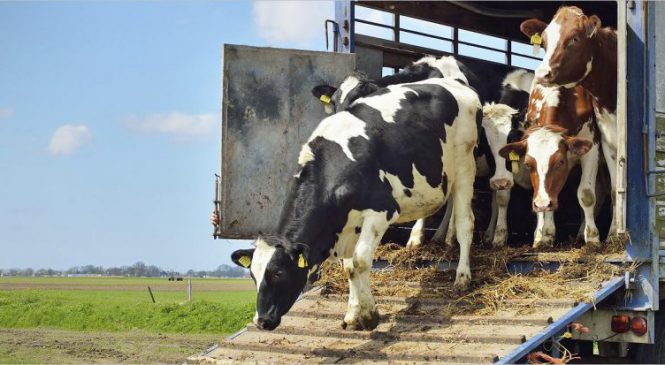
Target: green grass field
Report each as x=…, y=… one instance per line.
x=219, y=306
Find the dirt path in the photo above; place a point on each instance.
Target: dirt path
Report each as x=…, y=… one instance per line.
x=73, y=347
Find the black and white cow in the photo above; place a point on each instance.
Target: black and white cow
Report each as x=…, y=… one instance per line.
x=486, y=80
x=394, y=156
x=503, y=123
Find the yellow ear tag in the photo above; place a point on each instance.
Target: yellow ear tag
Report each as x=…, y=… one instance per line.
x=302, y=262
x=536, y=40
x=514, y=162
x=245, y=261
x=325, y=99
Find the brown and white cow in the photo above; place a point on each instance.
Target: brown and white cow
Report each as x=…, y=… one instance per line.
x=580, y=52
x=563, y=133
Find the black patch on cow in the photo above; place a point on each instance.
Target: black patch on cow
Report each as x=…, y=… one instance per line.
x=518, y=100
x=444, y=184
x=411, y=73
x=358, y=230
x=407, y=192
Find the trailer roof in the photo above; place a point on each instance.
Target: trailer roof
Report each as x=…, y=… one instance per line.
x=499, y=18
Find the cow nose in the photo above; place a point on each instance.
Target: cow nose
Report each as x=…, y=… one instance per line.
x=501, y=184
x=267, y=323
x=542, y=206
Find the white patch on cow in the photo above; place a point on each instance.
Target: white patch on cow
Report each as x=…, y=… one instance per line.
x=519, y=80
x=346, y=240
x=262, y=255
x=586, y=73
x=553, y=32
x=447, y=65
x=389, y=103
x=349, y=83
x=424, y=201
x=305, y=155
x=497, y=122
x=417, y=234
x=338, y=128
x=542, y=144
x=549, y=98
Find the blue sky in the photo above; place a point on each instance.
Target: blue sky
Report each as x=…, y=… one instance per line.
x=109, y=126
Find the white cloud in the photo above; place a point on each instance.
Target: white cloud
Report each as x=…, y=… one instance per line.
x=176, y=124
x=68, y=138
x=292, y=23
x=6, y=112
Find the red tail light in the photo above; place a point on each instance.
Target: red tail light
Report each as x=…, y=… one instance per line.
x=621, y=323
x=639, y=326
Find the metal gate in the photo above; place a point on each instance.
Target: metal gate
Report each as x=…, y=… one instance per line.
x=268, y=112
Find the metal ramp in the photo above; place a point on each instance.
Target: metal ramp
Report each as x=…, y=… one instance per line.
x=412, y=331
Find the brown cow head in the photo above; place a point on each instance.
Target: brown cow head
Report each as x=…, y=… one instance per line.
x=568, y=42
x=545, y=151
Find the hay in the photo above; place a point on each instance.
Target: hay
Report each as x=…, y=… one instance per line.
x=582, y=271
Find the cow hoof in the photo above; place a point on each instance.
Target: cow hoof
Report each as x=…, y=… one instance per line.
x=500, y=237
x=413, y=244
x=545, y=242
x=363, y=322
x=462, y=279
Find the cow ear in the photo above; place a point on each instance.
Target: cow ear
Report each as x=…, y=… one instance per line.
x=323, y=92
x=532, y=26
x=300, y=252
x=592, y=24
x=243, y=258
x=517, y=147
x=578, y=145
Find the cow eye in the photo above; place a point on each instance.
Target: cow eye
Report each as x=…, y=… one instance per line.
x=573, y=41
x=560, y=163
x=278, y=274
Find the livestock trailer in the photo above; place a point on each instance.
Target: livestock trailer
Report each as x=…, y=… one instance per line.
x=268, y=113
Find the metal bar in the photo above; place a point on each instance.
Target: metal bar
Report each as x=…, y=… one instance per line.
x=558, y=326
x=509, y=51
x=396, y=27
x=369, y=22
x=455, y=41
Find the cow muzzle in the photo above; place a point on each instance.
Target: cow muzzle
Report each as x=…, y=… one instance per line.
x=541, y=205
x=501, y=184
x=268, y=324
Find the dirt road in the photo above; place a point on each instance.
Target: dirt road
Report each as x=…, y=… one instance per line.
x=73, y=347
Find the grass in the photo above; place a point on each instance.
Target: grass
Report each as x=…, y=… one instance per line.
x=219, y=306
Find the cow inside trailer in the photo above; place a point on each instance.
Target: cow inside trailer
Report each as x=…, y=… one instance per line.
x=387, y=36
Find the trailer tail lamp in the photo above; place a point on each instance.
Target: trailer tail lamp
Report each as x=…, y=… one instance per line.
x=639, y=326
x=621, y=323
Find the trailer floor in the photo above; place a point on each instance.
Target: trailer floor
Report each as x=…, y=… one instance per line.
x=411, y=331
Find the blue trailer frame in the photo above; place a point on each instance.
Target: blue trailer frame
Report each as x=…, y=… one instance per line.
x=637, y=166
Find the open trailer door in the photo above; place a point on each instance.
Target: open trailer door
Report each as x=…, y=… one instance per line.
x=268, y=112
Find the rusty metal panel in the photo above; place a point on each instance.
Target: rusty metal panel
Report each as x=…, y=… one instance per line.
x=268, y=112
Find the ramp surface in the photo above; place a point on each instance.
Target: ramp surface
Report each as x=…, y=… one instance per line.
x=412, y=330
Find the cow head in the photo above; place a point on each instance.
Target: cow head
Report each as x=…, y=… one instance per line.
x=545, y=151
x=280, y=270
x=568, y=41
x=497, y=122
x=352, y=88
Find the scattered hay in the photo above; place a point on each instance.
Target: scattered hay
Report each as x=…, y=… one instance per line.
x=581, y=272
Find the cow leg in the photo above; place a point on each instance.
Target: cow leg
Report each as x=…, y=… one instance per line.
x=463, y=216
x=489, y=232
x=586, y=194
x=501, y=230
x=361, y=313
x=450, y=232
x=545, y=230
x=417, y=234
x=442, y=231
x=610, y=158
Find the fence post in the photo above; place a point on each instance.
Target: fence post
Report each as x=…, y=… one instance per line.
x=189, y=290
x=151, y=296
